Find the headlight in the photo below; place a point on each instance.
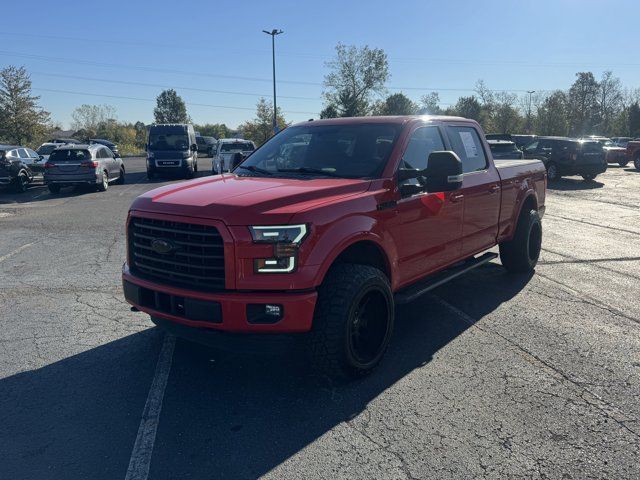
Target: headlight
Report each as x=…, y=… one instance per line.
x=150, y=155
x=285, y=239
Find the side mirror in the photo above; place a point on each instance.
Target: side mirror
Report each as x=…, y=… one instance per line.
x=443, y=172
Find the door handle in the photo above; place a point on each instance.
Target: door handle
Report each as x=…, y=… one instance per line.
x=494, y=188
x=456, y=197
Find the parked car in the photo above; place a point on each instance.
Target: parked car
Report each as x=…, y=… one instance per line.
x=221, y=162
x=377, y=211
x=74, y=141
x=15, y=166
x=615, y=154
x=80, y=164
x=46, y=148
x=503, y=149
x=172, y=148
x=206, y=145
x=621, y=141
x=568, y=156
x=521, y=140
x=633, y=153
x=107, y=143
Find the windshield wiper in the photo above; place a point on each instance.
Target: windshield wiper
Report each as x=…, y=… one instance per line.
x=254, y=169
x=309, y=170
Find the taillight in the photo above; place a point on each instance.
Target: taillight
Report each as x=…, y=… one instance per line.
x=88, y=163
x=49, y=165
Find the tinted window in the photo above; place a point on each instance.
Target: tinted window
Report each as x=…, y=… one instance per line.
x=503, y=147
x=22, y=153
x=422, y=142
x=352, y=151
x=46, y=149
x=591, y=146
x=69, y=155
x=466, y=143
x=168, y=141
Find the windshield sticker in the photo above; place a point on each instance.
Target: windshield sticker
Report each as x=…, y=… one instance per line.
x=469, y=145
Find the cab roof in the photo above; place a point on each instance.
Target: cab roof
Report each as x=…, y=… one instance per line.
x=395, y=119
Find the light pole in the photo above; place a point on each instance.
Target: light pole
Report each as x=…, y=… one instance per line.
x=530, y=92
x=273, y=34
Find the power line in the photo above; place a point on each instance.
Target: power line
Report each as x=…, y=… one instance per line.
x=155, y=85
x=191, y=104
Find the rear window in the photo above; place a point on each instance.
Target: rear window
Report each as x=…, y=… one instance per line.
x=235, y=147
x=46, y=149
x=503, y=147
x=66, y=155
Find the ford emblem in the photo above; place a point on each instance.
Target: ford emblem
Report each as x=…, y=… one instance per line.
x=162, y=246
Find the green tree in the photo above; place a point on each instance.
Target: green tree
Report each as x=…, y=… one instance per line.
x=468, y=107
x=356, y=74
x=170, y=108
x=141, y=134
x=583, y=106
x=329, y=112
x=430, y=104
x=552, y=117
x=396, y=104
x=89, y=118
x=21, y=118
x=217, y=130
x=260, y=129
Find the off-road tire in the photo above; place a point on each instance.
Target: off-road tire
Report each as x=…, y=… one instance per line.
x=21, y=183
x=521, y=253
x=331, y=345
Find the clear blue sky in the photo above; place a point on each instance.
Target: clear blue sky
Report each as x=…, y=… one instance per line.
x=219, y=45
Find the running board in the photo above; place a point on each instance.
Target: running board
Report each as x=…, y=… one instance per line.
x=409, y=294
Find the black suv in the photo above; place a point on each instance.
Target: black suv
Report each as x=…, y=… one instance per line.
x=568, y=156
x=206, y=145
x=504, y=150
x=15, y=166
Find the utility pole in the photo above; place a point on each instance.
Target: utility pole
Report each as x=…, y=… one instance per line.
x=530, y=92
x=273, y=34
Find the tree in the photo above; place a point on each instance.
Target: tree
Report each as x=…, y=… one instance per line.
x=430, y=104
x=21, y=118
x=583, y=104
x=610, y=99
x=396, y=104
x=468, y=107
x=552, y=117
x=170, y=108
x=634, y=120
x=217, y=130
x=260, y=129
x=141, y=134
x=89, y=118
x=356, y=74
x=506, y=118
x=329, y=112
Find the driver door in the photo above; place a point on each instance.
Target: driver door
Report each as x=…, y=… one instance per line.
x=428, y=227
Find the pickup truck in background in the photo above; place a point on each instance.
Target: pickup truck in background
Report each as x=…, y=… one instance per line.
x=633, y=153
x=324, y=229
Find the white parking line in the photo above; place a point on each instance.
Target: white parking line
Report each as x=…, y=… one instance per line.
x=140, y=460
x=16, y=251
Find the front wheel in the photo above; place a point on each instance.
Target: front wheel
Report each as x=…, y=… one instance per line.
x=120, y=180
x=552, y=171
x=636, y=163
x=353, y=321
x=521, y=253
x=623, y=163
x=589, y=178
x=22, y=183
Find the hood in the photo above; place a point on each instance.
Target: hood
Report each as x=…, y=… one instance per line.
x=246, y=200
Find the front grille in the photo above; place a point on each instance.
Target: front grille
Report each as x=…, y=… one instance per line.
x=197, y=261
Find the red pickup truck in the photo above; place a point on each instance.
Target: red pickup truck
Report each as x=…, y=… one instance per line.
x=323, y=229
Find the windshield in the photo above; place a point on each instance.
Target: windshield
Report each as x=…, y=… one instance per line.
x=236, y=147
x=349, y=151
x=168, y=141
x=46, y=149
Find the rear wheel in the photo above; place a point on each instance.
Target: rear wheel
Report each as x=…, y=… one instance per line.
x=22, y=183
x=636, y=162
x=54, y=188
x=353, y=321
x=589, y=178
x=552, y=171
x=120, y=180
x=521, y=253
x=104, y=185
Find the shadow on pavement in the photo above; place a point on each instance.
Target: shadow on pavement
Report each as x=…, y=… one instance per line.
x=224, y=415
x=569, y=184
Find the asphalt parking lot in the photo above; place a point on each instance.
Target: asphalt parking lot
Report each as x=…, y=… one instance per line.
x=492, y=376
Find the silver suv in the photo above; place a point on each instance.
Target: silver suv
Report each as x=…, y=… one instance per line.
x=83, y=165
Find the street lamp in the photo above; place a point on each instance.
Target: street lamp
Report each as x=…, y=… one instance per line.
x=530, y=92
x=273, y=34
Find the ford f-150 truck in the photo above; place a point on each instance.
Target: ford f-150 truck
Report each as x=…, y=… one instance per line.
x=324, y=228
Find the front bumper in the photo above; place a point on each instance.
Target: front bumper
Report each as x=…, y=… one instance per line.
x=224, y=311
